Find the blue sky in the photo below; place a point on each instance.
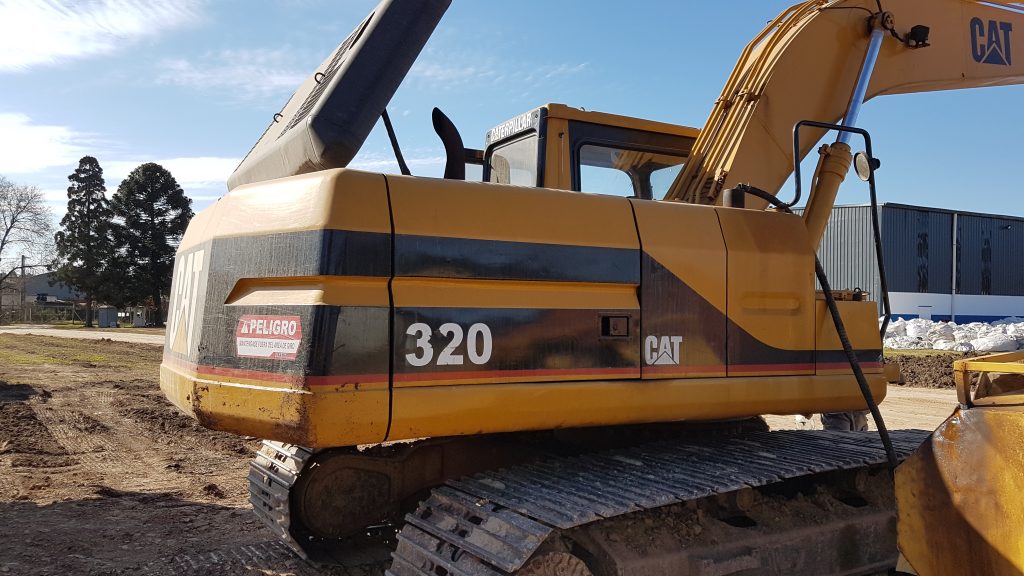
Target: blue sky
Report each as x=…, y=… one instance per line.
x=192, y=84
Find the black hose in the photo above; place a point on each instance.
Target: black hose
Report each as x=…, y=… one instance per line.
x=833, y=309
x=851, y=356
x=883, y=282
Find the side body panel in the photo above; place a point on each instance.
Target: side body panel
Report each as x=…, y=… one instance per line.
x=424, y=307
x=770, y=293
x=683, y=292
x=499, y=284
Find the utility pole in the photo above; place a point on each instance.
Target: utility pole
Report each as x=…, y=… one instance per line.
x=24, y=315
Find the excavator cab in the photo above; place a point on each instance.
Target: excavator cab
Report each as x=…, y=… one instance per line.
x=565, y=148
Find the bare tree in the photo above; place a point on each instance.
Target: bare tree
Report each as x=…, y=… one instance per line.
x=26, y=226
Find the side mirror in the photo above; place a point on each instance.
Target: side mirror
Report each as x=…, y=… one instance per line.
x=865, y=165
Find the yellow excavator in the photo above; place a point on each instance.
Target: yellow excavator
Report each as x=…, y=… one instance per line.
x=561, y=370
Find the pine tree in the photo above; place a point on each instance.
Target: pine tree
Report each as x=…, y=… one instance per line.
x=152, y=213
x=84, y=247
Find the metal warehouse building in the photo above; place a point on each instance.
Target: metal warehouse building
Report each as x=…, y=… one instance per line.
x=940, y=264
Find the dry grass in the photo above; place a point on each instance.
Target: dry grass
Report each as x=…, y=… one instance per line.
x=31, y=350
x=129, y=330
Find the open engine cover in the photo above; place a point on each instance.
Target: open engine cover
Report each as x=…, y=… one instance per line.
x=327, y=119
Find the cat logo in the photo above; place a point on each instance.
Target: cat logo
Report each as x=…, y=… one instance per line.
x=662, y=351
x=181, y=316
x=990, y=43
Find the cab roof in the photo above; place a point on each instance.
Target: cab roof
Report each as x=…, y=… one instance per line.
x=556, y=110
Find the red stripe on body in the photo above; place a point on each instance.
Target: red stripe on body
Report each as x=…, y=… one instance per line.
x=780, y=368
x=484, y=374
x=842, y=365
x=248, y=374
x=684, y=369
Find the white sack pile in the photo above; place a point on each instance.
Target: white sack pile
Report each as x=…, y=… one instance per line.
x=1004, y=335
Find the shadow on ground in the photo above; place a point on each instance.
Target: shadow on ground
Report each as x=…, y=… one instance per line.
x=16, y=392
x=120, y=533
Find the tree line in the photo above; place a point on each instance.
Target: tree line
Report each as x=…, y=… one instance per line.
x=117, y=251
x=26, y=227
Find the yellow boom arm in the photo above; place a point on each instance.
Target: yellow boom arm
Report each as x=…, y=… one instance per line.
x=805, y=63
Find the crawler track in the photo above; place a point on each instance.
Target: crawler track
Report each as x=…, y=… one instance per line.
x=272, y=474
x=491, y=524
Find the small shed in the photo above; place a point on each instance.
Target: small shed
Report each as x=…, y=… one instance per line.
x=106, y=317
x=138, y=317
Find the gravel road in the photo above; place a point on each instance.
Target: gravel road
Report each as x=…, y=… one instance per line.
x=156, y=339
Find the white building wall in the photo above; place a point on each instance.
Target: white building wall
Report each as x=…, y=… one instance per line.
x=915, y=305
x=961, y=308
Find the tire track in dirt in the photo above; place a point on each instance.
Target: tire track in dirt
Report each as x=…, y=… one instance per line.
x=103, y=450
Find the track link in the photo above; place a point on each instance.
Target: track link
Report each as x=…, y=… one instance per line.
x=272, y=474
x=492, y=523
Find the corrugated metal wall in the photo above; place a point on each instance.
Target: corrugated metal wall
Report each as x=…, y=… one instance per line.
x=917, y=249
x=990, y=255
x=847, y=251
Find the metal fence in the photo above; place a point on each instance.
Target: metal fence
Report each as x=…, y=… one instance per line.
x=38, y=313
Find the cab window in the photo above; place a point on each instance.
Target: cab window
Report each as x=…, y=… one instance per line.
x=624, y=172
x=514, y=162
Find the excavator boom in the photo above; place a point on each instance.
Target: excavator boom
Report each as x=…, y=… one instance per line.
x=804, y=64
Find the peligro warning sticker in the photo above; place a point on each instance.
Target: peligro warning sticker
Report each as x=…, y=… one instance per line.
x=274, y=337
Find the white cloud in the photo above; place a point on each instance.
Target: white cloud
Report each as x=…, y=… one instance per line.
x=55, y=197
x=50, y=152
x=28, y=148
x=247, y=73
x=450, y=74
x=562, y=70
x=44, y=32
x=57, y=200
x=377, y=162
x=45, y=154
x=204, y=172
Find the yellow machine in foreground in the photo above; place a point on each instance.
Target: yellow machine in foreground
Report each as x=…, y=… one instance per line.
x=511, y=376
x=969, y=477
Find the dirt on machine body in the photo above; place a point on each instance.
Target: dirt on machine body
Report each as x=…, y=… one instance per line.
x=496, y=372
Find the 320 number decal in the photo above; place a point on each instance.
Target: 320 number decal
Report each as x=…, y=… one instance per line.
x=477, y=339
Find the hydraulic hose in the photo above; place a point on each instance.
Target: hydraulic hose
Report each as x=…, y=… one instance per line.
x=844, y=338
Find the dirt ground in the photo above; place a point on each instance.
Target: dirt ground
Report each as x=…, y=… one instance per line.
x=926, y=368
x=925, y=399
x=100, y=475
x=903, y=407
